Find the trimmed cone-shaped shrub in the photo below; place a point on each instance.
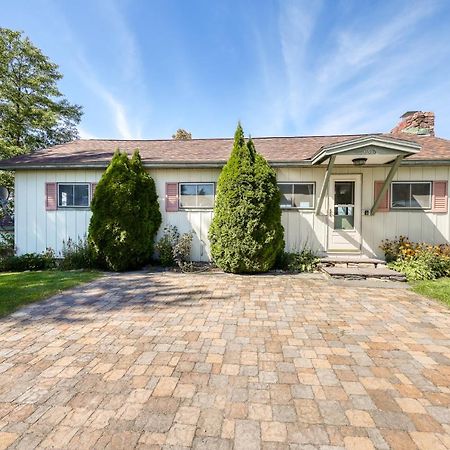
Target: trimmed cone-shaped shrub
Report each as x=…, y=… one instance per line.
x=246, y=234
x=125, y=215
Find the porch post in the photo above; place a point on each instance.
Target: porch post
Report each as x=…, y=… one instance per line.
x=325, y=184
x=386, y=183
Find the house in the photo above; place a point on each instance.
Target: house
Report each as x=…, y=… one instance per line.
x=340, y=194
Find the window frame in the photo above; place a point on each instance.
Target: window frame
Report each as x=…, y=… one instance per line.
x=76, y=183
x=293, y=183
x=196, y=183
x=414, y=208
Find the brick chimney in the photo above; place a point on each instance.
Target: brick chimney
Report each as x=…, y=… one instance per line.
x=416, y=122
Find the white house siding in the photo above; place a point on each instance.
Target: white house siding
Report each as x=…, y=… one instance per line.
x=38, y=229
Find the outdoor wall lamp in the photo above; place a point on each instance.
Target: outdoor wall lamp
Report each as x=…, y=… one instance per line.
x=359, y=161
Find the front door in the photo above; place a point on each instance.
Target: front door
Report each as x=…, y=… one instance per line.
x=344, y=213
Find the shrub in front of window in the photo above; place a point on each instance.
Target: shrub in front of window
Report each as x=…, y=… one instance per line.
x=246, y=234
x=125, y=215
x=417, y=260
x=182, y=252
x=166, y=244
x=76, y=255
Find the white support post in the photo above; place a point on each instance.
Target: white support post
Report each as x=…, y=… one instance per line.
x=387, y=182
x=325, y=184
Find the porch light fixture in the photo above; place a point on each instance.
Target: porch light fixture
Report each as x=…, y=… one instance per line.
x=359, y=161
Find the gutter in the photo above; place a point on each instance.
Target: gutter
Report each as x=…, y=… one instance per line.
x=212, y=164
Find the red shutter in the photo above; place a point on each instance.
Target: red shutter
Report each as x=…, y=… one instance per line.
x=171, y=197
x=440, y=197
x=50, y=196
x=384, y=203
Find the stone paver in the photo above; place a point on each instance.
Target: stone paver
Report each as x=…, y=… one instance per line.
x=214, y=361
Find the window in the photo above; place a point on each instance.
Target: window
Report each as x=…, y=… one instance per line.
x=415, y=195
x=196, y=195
x=73, y=195
x=297, y=195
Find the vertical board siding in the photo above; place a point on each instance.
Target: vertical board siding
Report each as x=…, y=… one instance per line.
x=38, y=229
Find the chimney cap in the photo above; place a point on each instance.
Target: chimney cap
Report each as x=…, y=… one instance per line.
x=407, y=114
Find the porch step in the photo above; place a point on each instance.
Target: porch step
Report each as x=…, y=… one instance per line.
x=363, y=273
x=351, y=261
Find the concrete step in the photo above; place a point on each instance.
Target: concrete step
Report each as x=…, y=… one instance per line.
x=363, y=273
x=353, y=261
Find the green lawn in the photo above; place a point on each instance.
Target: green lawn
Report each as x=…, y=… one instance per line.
x=21, y=288
x=437, y=289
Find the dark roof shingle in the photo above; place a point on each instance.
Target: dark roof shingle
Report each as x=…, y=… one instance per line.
x=98, y=152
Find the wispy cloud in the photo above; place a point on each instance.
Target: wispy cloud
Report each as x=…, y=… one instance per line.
x=118, y=102
x=117, y=109
x=341, y=78
x=85, y=134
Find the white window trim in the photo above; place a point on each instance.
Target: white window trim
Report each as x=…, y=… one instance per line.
x=416, y=208
x=196, y=183
x=78, y=183
x=311, y=208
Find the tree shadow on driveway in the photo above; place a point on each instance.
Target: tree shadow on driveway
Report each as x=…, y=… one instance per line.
x=135, y=292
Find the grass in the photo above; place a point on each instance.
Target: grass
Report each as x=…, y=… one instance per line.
x=438, y=289
x=21, y=288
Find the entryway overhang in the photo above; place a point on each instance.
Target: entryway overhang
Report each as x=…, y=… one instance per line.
x=365, y=151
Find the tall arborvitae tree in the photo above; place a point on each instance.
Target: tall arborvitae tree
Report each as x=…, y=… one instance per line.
x=246, y=234
x=125, y=215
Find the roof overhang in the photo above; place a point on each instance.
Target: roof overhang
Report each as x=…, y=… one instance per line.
x=377, y=150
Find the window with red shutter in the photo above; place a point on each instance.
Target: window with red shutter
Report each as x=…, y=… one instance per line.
x=171, y=197
x=384, y=204
x=440, y=197
x=50, y=196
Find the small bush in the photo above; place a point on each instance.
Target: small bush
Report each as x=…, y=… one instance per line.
x=304, y=261
x=421, y=267
x=402, y=248
x=29, y=261
x=166, y=245
x=76, y=255
x=7, y=247
x=417, y=260
x=182, y=252
x=175, y=249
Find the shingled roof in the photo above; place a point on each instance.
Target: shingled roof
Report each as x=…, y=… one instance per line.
x=90, y=153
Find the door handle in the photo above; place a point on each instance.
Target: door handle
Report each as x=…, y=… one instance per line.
x=331, y=212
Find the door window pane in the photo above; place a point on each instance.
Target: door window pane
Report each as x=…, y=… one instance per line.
x=344, y=192
x=344, y=210
x=344, y=222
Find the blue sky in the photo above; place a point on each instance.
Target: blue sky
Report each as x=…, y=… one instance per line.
x=142, y=69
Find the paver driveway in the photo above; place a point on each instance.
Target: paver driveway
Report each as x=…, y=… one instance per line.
x=221, y=361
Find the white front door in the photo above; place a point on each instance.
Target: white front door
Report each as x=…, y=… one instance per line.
x=344, y=213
